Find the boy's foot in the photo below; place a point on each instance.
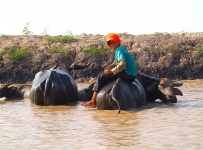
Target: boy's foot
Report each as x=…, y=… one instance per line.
x=89, y=103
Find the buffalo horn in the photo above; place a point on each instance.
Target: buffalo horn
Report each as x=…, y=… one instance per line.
x=77, y=67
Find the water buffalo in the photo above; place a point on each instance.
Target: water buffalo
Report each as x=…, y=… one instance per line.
x=12, y=92
x=155, y=88
x=160, y=88
x=55, y=86
x=85, y=94
x=119, y=94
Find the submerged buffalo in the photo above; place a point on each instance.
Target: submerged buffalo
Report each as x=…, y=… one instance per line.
x=55, y=86
x=154, y=88
x=119, y=94
x=160, y=88
x=15, y=92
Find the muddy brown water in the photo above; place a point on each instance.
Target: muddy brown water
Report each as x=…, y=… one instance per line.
x=155, y=126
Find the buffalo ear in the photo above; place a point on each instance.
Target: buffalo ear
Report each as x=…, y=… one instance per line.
x=12, y=88
x=150, y=88
x=176, y=91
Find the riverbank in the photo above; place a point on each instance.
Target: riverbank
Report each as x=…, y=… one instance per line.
x=171, y=55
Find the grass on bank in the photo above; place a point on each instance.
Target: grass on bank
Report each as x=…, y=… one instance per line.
x=157, y=34
x=200, y=51
x=172, y=48
x=123, y=33
x=64, y=51
x=18, y=53
x=91, y=50
x=62, y=39
x=4, y=35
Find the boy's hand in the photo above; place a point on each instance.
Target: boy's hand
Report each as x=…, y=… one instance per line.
x=107, y=72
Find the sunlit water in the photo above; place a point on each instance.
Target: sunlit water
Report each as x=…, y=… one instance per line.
x=155, y=126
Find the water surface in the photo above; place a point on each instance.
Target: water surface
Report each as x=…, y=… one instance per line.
x=155, y=126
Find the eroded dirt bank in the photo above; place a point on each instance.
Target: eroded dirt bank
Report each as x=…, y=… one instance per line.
x=176, y=56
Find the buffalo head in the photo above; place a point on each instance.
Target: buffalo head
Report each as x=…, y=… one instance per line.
x=85, y=94
x=163, y=88
x=6, y=90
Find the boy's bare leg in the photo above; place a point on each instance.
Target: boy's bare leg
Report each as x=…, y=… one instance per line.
x=92, y=102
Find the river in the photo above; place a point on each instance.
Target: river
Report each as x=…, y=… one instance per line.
x=24, y=126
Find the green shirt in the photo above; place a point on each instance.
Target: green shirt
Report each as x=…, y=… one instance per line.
x=122, y=54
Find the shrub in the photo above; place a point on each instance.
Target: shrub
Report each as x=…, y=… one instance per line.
x=200, y=51
x=123, y=33
x=157, y=33
x=64, y=51
x=18, y=53
x=172, y=48
x=156, y=49
x=26, y=31
x=4, y=35
x=146, y=48
x=91, y=50
x=62, y=39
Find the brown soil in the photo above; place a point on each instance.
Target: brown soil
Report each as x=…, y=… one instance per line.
x=167, y=55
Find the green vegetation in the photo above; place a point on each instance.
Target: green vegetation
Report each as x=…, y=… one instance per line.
x=62, y=39
x=91, y=50
x=146, y=48
x=200, y=51
x=173, y=48
x=4, y=35
x=157, y=33
x=18, y=53
x=64, y=51
x=26, y=31
x=123, y=33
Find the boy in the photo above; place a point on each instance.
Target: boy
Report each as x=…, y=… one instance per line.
x=126, y=68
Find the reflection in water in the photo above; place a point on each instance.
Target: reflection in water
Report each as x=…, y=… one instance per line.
x=155, y=126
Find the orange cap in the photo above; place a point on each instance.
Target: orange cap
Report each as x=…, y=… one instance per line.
x=114, y=37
